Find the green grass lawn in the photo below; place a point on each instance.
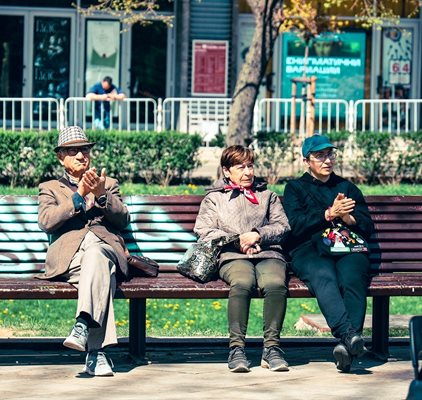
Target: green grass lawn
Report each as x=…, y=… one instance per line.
x=169, y=317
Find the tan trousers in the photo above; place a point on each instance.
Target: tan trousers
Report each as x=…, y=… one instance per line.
x=93, y=271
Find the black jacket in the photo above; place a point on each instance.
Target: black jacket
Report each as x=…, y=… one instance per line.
x=305, y=200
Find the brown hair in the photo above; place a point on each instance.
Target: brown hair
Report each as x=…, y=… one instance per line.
x=236, y=154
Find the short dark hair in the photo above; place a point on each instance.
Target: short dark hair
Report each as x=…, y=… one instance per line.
x=108, y=80
x=236, y=154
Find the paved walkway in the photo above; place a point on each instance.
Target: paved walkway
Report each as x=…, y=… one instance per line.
x=201, y=373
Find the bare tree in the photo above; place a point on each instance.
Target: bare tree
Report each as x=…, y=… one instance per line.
x=268, y=19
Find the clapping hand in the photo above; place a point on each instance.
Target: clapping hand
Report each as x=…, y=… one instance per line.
x=342, y=206
x=92, y=183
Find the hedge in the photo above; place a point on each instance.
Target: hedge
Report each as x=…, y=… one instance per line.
x=365, y=157
x=28, y=158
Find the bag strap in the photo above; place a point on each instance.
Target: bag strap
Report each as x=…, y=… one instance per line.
x=317, y=201
x=223, y=240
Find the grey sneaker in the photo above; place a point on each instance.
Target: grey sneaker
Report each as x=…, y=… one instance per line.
x=237, y=361
x=98, y=363
x=354, y=343
x=77, y=338
x=272, y=358
x=343, y=358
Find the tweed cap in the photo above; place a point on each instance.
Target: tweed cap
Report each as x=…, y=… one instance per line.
x=72, y=136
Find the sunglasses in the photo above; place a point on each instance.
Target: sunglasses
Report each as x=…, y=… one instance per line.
x=72, y=151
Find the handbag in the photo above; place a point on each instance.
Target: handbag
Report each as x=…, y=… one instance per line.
x=142, y=266
x=339, y=239
x=139, y=265
x=200, y=261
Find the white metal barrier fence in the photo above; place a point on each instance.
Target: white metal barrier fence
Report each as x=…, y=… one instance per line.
x=208, y=116
x=20, y=113
x=392, y=116
x=275, y=115
x=135, y=114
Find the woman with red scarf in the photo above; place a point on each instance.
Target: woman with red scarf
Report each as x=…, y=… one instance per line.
x=240, y=204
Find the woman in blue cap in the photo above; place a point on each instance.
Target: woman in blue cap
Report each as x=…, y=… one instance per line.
x=339, y=282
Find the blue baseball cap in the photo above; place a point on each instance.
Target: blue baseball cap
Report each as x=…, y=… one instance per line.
x=316, y=143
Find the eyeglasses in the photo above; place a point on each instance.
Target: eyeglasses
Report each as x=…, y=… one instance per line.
x=72, y=151
x=332, y=155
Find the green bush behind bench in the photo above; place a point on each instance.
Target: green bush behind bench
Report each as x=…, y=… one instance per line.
x=156, y=157
x=367, y=157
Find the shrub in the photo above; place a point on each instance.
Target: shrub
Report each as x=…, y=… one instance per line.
x=28, y=157
x=275, y=153
x=372, y=157
x=409, y=160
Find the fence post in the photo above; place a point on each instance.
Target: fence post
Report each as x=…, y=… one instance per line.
x=61, y=119
x=352, y=116
x=256, y=117
x=160, y=115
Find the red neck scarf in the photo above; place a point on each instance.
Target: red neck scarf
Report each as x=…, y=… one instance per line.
x=249, y=194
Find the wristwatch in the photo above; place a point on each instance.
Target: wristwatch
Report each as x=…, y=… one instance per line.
x=102, y=200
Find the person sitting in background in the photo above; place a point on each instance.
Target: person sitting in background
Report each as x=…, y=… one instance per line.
x=103, y=92
x=240, y=204
x=339, y=282
x=83, y=214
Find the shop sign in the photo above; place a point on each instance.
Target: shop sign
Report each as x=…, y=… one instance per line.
x=209, y=67
x=337, y=60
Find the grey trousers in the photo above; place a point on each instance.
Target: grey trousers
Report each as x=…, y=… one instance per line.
x=93, y=271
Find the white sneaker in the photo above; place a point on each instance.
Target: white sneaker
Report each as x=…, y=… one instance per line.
x=98, y=364
x=77, y=338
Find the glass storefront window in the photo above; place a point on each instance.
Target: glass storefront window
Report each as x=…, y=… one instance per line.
x=397, y=58
x=11, y=56
x=148, y=69
x=149, y=61
x=51, y=57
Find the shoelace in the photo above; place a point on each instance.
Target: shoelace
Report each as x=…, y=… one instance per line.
x=104, y=359
x=275, y=352
x=79, y=330
x=238, y=353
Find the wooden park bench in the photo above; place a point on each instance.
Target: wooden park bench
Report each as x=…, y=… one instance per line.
x=161, y=227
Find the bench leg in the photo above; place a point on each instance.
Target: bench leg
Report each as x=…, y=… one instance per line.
x=137, y=330
x=380, y=326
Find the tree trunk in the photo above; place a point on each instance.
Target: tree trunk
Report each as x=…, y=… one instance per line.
x=268, y=19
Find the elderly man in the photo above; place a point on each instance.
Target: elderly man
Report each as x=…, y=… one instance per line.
x=83, y=214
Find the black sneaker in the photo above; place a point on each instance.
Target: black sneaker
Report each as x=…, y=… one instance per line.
x=354, y=343
x=237, y=361
x=272, y=358
x=343, y=358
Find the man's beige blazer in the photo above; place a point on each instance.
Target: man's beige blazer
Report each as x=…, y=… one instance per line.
x=67, y=228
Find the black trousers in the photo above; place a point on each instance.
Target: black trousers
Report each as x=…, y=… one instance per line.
x=339, y=284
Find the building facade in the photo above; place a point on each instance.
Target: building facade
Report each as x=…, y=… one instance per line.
x=48, y=49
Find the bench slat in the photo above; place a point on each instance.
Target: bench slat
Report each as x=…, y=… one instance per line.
x=176, y=286
x=182, y=246
x=24, y=236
